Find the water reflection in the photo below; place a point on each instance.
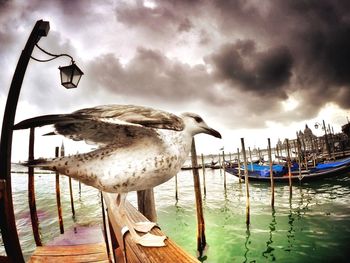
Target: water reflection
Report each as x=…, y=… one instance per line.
x=246, y=245
x=268, y=253
x=290, y=232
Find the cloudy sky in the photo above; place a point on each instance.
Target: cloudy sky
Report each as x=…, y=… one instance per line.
x=252, y=69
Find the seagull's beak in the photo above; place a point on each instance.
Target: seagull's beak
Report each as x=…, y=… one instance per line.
x=212, y=132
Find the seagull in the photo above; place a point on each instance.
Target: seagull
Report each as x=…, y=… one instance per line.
x=138, y=148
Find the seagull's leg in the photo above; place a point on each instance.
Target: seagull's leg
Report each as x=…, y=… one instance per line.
x=145, y=226
x=147, y=240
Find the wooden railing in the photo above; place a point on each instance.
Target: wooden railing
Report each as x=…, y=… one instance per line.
x=129, y=251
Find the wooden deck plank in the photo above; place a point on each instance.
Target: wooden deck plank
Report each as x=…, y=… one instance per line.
x=136, y=253
x=77, y=253
x=67, y=259
x=71, y=250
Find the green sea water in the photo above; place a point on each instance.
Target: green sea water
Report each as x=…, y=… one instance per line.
x=314, y=226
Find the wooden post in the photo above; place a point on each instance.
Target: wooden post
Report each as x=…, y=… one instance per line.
x=246, y=183
x=71, y=197
x=239, y=166
x=220, y=164
x=201, y=240
x=203, y=170
x=58, y=197
x=299, y=157
x=176, y=189
x=251, y=159
x=31, y=191
x=70, y=186
x=224, y=168
x=146, y=204
x=271, y=174
x=259, y=154
x=289, y=170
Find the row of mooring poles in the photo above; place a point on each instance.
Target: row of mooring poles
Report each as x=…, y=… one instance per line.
x=31, y=192
x=271, y=175
x=201, y=240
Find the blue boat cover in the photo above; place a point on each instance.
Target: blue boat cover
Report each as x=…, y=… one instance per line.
x=322, y=166
x=264, y=170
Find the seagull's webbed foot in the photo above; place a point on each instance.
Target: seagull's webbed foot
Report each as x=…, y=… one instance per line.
x=147, y=240
x=143, y=227
x=150, y=240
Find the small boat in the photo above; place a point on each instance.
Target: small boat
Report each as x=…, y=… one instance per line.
x=280, y=172
x=213, y=164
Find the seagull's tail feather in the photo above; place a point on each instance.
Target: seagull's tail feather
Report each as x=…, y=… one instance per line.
x=42, y=121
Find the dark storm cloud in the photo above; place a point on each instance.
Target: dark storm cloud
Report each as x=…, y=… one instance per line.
x=317, y=35
x=152, y=75
x=265, y=73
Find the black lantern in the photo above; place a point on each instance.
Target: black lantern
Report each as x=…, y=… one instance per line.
x=70, y=76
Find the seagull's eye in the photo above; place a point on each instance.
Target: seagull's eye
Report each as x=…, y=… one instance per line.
x=198, y=119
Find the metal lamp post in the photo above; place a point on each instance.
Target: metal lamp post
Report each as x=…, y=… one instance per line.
x=7, y=218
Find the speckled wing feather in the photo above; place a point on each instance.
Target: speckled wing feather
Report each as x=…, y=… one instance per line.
x=132, y=114
x=103, y=133
x=111, y=124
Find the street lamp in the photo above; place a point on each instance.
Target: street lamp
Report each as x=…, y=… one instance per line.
x=7, y=217
x=70, y=75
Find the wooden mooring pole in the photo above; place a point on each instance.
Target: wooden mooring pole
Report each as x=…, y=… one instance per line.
x=58, y=197
x=289, y=170
x=251, y=159
x=70, y=186
x=201, y=240
x=31, y=191
x=239, y=166
x=246, y=183
x=146, y=204
x=176, y=189
x=271, y=174
x=224, y=168
x=299, y=156
x=203, y=170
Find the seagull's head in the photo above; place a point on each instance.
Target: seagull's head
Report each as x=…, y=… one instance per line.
x=194, y=124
